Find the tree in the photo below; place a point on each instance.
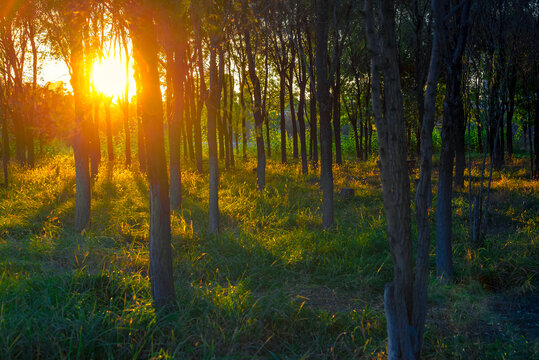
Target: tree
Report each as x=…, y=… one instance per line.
x=405, y=298
x=143, y=35
x=323, y=82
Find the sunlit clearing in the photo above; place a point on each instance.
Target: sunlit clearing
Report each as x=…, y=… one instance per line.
x=109, y=77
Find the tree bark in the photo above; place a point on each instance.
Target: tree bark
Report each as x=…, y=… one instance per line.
x=212, y=106
x=259, y=119
x=108, y=128
x=337, y=113
x=80, y=140
x=145, y=44
x=324, y=106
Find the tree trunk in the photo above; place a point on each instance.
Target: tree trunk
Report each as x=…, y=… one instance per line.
x=282, y=88
x=145, y=44
x=220, y=112
x=324, y=106
x=202, y=91
x=337, y=113
x=243, y=112
x=295, y=152
x=5, y=138
x=80, y=140
x=391, y=131
x=460, y=132
x=141, y=147
x=259, y=119
x=110, y=149
x=230, y=128
x=175, y=121
x=125, y=108
x=212, y=106
x=301, y=121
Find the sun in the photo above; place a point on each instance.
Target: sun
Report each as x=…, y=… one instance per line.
x=109, y=77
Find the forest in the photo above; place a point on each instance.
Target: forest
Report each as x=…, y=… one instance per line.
x=278, y=179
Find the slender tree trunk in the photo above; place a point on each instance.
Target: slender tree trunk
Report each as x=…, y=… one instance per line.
x=337, y=114
x=230, y=129
x=510, y=112
x=264, y=107
x=145, y=44
x=202, y=92
x=536, y=135
x=259, y=119
x=243, y=112
x=110, y=149
x=212, y=106
x=295, y=152
x=175, y=122
x=220, y=112
x=324, y=105
x=460, y=132
x=282, y=87
x=224, y=126
x=5, y=137
x=301, y=115
x=141, y=146
x=125, y=104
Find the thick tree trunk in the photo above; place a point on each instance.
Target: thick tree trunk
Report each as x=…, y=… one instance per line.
x=444, y=254
x=324, y=105
x=145, y=44
x=80, y=140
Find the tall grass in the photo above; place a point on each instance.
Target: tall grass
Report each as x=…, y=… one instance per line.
x=273, y=284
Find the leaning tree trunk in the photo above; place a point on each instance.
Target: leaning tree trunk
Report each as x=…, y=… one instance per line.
x=324, y=105
x=145, y=44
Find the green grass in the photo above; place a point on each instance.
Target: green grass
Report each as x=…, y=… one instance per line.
x=272, y=285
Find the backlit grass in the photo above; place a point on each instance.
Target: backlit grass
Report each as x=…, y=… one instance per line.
x=272, y=285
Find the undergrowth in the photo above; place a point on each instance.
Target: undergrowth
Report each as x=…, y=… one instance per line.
x=273, y=284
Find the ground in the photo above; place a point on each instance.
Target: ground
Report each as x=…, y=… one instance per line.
x=272, y=285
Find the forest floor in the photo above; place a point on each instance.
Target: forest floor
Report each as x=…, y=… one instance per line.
x=272, y=285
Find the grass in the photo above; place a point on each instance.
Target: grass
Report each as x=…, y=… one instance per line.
x=272, y=285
